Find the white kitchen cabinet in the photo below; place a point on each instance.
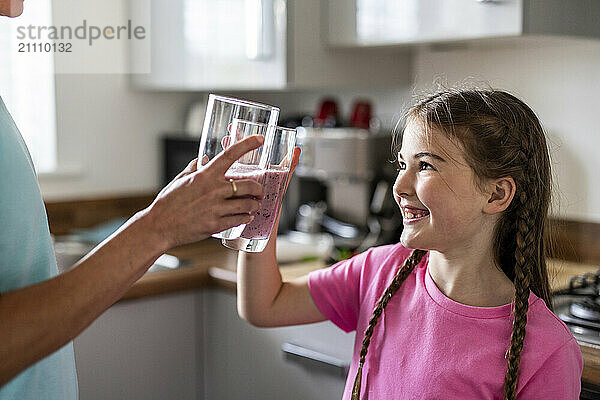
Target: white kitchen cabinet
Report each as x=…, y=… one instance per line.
x=143, y=349
x=230, y=45
x=194, y=346
x=225, y=44
x=244, y=362
x=355, y=23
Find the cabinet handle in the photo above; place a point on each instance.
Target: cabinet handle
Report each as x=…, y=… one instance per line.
x=295, y=351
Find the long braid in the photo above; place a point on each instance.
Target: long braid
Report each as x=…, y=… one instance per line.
x=524, y=257
x=403, y=272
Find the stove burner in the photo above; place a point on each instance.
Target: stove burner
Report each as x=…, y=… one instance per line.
x=587, y=308
x=578, y=306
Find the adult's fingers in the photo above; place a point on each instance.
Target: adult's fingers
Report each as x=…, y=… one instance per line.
x=191, y=167
x=230, y=221
x=238, y=206
x=244, y=188
x=221, y=163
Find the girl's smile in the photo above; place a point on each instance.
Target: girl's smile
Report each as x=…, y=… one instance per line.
x=412, y=215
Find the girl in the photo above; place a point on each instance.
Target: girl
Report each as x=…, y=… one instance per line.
x=467, y=313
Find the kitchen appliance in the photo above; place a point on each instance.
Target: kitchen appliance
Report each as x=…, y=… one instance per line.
x=178, y=150
x=343, y=184
x=328, y=115
x=361, y=115
x=578, y=306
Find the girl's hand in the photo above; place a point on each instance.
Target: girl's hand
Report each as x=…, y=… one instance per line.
x=295, y=161
x=200, y=202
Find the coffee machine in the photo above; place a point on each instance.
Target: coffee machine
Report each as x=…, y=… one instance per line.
x=343, y=185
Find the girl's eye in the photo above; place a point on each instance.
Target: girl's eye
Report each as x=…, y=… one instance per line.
x=426, y=166
x=401, y=166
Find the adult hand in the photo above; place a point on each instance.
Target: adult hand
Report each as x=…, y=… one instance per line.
x=199, y=201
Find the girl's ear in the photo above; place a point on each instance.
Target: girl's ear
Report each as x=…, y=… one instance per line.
x=501, y=192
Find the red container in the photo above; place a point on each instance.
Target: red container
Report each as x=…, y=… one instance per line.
x=361, y=115
x=327, y=115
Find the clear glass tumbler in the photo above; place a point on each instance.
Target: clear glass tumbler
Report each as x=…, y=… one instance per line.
x=225, y=117
x=255, y=236
x=251, y=165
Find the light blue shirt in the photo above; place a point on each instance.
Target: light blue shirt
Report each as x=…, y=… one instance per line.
x=27, y=257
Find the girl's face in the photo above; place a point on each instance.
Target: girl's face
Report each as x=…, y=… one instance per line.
x=11, y=8
x=441, y=205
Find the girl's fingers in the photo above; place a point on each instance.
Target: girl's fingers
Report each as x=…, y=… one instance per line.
x=226, y=141
x=295, y=161
x=295, y=158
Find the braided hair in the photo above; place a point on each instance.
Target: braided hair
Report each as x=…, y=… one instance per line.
x=501, y=136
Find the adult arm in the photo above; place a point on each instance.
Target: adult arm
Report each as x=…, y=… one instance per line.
x=263, y=298
x=38, y=320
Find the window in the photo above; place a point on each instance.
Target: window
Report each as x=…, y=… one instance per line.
x=27, y=85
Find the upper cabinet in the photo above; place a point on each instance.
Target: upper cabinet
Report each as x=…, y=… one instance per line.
x=356, y=23
x=205, y=45
x=225, y=44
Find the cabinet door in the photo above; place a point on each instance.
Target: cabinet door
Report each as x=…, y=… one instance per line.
x=243, y=362
x=208, y=44
x=142, y=350
x=387, y=22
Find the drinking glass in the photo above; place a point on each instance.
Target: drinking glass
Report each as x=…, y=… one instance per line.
x=251, y=165
x=255, y=235
x=225, y=115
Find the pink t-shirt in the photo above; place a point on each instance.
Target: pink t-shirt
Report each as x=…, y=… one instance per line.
x=427, y=346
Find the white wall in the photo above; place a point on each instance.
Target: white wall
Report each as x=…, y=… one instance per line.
x=108, y=136
x=559, y=79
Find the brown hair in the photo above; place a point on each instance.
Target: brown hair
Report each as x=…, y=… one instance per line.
x=501, y=136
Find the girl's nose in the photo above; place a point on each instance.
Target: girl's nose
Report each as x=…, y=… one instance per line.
x=404, y=184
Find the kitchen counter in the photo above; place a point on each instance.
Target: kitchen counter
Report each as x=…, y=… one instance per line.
x=211, y=264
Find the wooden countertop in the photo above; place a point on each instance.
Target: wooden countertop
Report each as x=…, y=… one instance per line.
x=213, y=265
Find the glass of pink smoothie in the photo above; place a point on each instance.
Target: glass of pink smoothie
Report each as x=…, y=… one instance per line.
x=227, y=121
x=251, y=165
x=274, y=177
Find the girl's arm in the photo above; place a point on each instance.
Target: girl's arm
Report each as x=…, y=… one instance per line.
x=263, y=298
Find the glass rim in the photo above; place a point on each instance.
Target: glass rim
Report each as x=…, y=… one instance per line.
x=244, y=102
x=245, y=121
x=283, y=128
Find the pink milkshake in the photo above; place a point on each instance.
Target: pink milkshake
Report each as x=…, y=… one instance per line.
x=236, y=172
x=244, y=171
x=274, y=181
